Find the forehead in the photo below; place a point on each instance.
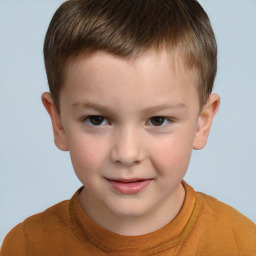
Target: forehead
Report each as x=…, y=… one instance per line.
x=153, y=75
x=160, y=60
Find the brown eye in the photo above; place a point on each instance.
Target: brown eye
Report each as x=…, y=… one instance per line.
x=157, y=120
x=95, y=120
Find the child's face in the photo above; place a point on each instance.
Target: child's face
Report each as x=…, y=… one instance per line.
x=130, y=127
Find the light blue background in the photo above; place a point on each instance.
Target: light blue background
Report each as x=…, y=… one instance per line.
x=36, y=175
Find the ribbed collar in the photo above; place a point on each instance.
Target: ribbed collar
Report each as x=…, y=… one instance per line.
x=168, y=236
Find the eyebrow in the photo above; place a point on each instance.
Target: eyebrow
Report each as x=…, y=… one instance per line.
x=164, y=106
x=150, y=110
x=90, y=105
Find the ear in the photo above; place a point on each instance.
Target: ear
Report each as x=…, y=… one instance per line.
x=205, y=121
x=58, y=130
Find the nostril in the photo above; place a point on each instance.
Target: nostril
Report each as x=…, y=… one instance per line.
x=127, y=162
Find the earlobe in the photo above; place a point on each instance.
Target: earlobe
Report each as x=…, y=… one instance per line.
x=205, y=121
x=58, y=130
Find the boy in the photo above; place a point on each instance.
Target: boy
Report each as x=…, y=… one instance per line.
x=130, y=98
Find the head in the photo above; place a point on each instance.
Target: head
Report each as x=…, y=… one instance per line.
x=128, y=29
x=130, y=98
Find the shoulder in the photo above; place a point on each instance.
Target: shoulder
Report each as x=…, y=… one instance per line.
x=54, y=217
x=35, y=228
x=226, y=223
x=222, y=212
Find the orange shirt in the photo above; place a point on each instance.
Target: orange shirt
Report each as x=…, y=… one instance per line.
x=204, y=226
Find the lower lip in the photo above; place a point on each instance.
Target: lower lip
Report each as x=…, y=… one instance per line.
x=129, y=188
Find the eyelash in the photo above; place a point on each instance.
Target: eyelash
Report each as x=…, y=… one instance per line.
x=168, y=120
x=88, y=121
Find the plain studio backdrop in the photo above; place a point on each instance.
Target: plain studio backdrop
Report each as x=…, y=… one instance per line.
x=36, y=175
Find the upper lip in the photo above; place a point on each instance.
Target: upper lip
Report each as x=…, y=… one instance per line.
x=125, y=180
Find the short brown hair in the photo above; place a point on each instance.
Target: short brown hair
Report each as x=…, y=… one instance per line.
x=128, y=28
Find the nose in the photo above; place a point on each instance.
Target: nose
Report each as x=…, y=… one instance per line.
x=128, y=147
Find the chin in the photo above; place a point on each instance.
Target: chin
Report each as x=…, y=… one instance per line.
x=129, y=210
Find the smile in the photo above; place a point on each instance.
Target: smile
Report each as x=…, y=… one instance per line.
x=129, y=187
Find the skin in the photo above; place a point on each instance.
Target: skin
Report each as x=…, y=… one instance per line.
x=129, y=143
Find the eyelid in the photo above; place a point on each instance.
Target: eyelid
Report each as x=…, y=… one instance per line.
x=86, y=119
x=170, y=120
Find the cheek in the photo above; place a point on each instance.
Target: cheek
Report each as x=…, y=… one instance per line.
x=87, y=157
x=172, y=156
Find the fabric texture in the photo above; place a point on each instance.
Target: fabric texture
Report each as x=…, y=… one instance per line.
x=203, y=226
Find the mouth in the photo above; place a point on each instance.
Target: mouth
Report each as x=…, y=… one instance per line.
x=129, y=186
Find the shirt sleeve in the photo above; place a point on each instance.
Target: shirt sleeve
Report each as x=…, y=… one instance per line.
x=15, y=243
x=245, y=236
